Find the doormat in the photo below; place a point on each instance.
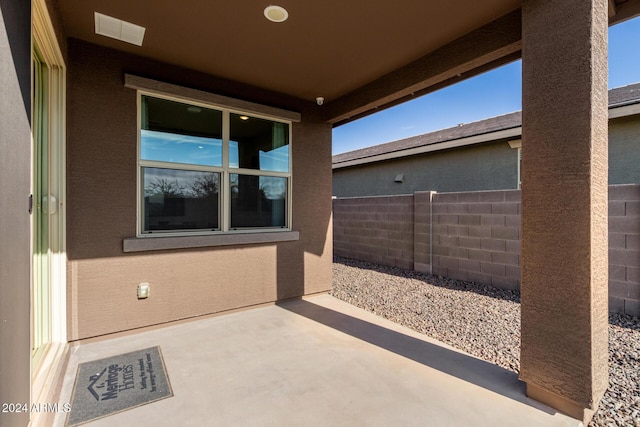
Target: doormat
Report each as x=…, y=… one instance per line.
x=107, y=386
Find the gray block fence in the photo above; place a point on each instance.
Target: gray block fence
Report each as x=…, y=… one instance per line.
x=475, y=236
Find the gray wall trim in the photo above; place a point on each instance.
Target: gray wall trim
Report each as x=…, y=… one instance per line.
x=141, y=83
x=139, y=244
x=624, y=111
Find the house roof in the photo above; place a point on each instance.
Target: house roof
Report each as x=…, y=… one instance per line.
x=500, y=127
x=625, y=95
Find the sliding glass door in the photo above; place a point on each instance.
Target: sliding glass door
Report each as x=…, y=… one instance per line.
x=41, y=209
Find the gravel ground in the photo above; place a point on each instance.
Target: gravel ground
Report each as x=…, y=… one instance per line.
x=483, y=321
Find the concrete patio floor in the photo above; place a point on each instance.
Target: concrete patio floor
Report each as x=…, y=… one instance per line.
x=315, y=362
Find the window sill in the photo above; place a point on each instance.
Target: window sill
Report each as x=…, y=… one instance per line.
x=159, y=243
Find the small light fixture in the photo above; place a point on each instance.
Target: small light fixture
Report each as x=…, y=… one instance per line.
x=244, y=117
x=276, y=13
x=516, y=143
x=320, y=100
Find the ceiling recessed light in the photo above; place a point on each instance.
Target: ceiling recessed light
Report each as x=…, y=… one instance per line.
x=118, y=29
x=244, y=117
x=276, y=13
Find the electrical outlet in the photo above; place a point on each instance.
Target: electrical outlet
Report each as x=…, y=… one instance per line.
x=143, y=290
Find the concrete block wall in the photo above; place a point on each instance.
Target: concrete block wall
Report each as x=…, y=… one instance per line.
x=624, y=249
x=475, y=236
x=375, y=229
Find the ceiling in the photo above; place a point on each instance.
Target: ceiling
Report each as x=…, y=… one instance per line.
x=326, y=48
x=360, y=56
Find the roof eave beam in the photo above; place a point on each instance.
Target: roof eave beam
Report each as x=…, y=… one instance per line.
x=495, y=43
x=612, y=8
x=623, y=11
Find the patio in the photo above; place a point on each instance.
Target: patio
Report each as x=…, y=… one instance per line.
x=78, y=244
x=315, y=361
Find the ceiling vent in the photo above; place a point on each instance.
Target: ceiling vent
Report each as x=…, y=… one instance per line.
x=118, y=29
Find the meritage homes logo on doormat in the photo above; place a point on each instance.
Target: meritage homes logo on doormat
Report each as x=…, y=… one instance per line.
x=114, y=379
x=117, y=383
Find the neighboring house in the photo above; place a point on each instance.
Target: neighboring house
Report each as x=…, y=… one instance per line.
x=483, y=155
x=168, y=160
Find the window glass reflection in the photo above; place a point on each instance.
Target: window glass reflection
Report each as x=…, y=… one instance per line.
x=258, y=144
x=180, y=199
x=258, y=201
x=180, y=133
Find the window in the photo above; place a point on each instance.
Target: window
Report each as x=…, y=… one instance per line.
x=205, y=169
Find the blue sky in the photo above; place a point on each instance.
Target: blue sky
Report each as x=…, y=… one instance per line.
x=488, y=95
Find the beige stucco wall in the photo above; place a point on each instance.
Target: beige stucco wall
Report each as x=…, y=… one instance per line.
x=101, y=145
x=564, y=347
x=15, y=222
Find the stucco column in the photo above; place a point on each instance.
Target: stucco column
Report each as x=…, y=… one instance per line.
x=564, y=204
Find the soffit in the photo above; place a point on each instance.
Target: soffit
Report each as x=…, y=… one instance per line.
x=326, y=48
